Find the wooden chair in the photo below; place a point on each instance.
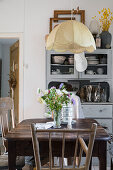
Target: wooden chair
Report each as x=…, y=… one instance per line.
x=7, y=122
x=80, y=146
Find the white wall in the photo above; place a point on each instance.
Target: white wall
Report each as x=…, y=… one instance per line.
x=32, y=18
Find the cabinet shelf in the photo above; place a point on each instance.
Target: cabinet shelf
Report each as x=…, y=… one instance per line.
x=60, y=65
x=96, y=65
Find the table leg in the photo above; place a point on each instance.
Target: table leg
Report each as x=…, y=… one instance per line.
x=12, y=155
x=102, y=155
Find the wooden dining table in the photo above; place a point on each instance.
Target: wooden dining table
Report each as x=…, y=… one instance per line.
x=20, y=141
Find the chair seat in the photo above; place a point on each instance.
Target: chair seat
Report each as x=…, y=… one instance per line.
x=20, y=161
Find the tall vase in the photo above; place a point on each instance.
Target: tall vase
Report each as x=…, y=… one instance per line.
x=106, y=38
x=57, y=119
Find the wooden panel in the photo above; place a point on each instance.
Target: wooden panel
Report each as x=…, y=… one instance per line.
x=97, y=111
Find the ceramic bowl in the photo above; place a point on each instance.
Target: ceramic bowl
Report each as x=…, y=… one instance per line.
x=58, y=59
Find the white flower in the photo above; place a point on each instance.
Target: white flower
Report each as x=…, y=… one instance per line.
x=58, y=92
x=46, y=92
x=40, y=100
x=64, y=91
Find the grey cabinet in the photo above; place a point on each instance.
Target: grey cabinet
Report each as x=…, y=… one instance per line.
x=99, y=62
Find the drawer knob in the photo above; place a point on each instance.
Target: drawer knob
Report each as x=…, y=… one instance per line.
x=100, y=110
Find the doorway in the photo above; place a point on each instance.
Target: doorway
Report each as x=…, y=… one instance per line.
x=8, y=48
x=9, y=59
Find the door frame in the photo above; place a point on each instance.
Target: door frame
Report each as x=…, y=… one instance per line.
x=18, y=36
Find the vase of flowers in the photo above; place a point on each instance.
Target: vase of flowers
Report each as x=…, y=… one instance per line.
x=105, y=22
x=106, y=39
x=54, y=100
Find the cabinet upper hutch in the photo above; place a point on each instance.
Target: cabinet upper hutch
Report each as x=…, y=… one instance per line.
x=62, y=66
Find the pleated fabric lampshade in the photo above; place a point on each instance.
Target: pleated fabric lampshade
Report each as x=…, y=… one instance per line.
x=71, y=36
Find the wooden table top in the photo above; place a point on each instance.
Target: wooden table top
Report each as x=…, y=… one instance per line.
x=23, y=131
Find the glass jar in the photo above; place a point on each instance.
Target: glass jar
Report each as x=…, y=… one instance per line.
x=67, y=113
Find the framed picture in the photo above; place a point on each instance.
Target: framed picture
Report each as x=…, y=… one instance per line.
x=80, y=13
x=55, y=21
x=63, y=15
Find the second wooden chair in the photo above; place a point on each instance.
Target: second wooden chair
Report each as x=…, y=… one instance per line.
x=80, y=145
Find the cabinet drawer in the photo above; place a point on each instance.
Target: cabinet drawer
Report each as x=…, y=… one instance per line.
x=97, y=111
x=106, y=123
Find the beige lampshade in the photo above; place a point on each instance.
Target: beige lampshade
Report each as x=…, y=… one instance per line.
x=71, y=36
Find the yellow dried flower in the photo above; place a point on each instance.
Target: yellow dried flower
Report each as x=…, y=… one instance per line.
x=108, y=10
x=105, y=19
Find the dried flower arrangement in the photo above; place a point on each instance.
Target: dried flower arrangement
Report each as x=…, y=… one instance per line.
x=12, y=80
x=105, y=19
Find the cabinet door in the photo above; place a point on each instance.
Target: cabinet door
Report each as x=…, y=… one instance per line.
x=102, y=113
x=60, y=65
x=99, y=64
x=97, y=111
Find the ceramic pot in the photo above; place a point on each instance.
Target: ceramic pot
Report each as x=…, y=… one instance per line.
x=106, y=38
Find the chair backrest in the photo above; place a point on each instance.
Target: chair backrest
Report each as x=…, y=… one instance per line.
x=81, y=137
x=6, y=116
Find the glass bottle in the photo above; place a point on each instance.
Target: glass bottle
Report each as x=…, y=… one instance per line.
x=98, y=41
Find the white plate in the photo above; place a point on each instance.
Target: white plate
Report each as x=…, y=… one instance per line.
x=91, y=57
x=93, y=62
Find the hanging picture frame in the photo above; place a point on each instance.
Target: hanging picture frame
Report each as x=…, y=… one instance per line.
x=63, y=15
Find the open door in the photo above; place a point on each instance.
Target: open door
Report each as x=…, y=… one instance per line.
x=14, y=78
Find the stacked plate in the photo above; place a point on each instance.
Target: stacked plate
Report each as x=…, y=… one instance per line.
x=92, y=60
